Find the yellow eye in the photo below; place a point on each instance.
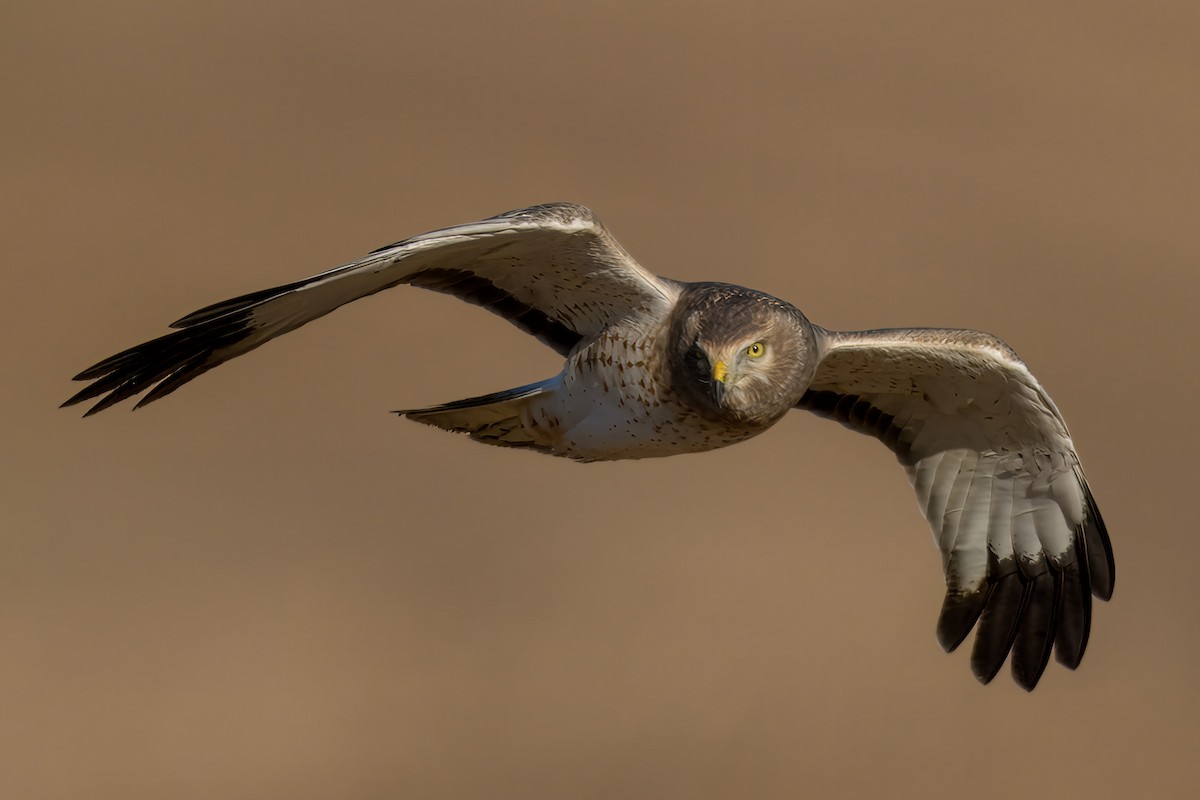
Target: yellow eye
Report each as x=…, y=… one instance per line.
x=756, y=350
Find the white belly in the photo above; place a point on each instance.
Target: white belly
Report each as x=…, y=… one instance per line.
x=609, y=406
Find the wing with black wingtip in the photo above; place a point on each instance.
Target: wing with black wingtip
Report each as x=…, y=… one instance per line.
x=997, y=477
x=552, y=270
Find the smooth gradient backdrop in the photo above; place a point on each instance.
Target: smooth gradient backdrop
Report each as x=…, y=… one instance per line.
x=265, y=586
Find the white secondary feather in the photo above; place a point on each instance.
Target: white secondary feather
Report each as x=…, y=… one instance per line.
x=998, y=530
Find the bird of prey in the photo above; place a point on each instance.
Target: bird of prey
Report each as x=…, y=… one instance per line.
x=656, y=367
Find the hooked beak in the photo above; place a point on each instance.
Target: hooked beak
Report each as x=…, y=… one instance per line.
x=719, y=373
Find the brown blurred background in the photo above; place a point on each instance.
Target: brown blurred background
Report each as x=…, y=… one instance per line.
x=267, y=587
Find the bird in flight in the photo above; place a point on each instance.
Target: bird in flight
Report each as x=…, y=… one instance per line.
x=656, y=367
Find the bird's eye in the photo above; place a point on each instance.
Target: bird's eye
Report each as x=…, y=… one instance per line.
x=756, y=350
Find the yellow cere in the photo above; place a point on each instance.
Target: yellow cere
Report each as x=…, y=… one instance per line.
x=756, y=350
x=719, y=370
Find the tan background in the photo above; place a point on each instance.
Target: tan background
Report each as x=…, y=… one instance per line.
x=266, y=587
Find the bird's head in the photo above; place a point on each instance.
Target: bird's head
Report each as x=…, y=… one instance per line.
x=738, y=355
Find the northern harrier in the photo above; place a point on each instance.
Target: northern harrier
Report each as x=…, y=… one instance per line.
x=656, y=367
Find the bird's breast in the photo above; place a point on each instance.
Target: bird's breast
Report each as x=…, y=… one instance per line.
x=616, y=402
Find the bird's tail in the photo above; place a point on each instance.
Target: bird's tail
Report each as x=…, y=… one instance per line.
x=508, y=419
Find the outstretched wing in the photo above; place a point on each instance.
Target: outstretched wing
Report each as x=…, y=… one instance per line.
x=552, y=270
x=997, y=477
